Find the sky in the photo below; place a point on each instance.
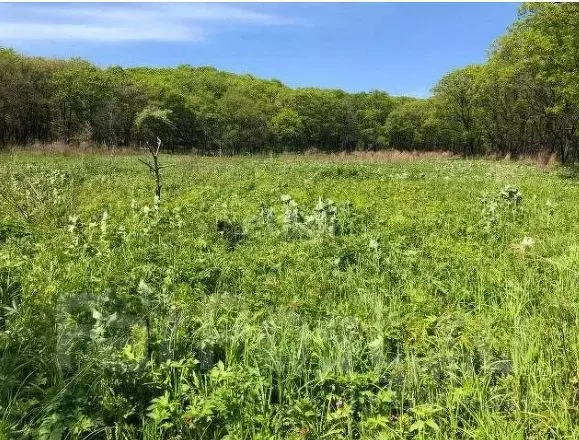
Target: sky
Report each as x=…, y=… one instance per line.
x=402, y=48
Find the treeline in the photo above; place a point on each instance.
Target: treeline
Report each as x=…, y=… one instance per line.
x=212, y=111
x=523, y=100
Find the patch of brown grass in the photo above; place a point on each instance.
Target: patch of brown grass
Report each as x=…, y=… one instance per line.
x=542, y=160
x=82, y=149
x=383, y=156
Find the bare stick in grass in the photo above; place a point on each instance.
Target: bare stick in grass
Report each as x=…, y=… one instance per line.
x=154, y=167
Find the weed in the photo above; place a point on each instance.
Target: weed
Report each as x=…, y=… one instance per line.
x=320, y=300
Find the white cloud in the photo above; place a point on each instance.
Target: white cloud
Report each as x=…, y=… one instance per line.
x=182, y=11
x=131, y=22
x=97, y=33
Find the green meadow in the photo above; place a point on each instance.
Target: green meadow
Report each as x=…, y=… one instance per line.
x=288, y=297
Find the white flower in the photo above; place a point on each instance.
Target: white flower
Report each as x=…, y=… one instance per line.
x=527, y=242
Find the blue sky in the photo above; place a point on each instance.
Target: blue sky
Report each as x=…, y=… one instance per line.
x=403, y=48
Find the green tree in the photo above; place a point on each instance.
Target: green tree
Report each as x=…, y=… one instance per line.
x=411, y=125
x=455, y=98
x=373, y=110
x=287, y=127
x=153, y=122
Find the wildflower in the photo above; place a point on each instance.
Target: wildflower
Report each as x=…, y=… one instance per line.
x=527, y=242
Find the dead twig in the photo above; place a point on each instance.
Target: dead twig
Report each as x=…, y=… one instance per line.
x=155, y=168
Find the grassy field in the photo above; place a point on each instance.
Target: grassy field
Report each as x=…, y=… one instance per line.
x=288, y=298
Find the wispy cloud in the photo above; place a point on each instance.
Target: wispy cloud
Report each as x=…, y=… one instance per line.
x=126, y=22
x=97, y=33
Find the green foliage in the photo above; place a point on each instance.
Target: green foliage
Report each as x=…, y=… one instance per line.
x=456, y=108
x=377, y=301
x=412, y=125
x=525, y=99
x=153, y=122
x=287, y=126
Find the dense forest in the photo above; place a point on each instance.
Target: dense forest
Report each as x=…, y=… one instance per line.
x=523, y=100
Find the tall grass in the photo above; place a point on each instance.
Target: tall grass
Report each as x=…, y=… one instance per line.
x=288, y=298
